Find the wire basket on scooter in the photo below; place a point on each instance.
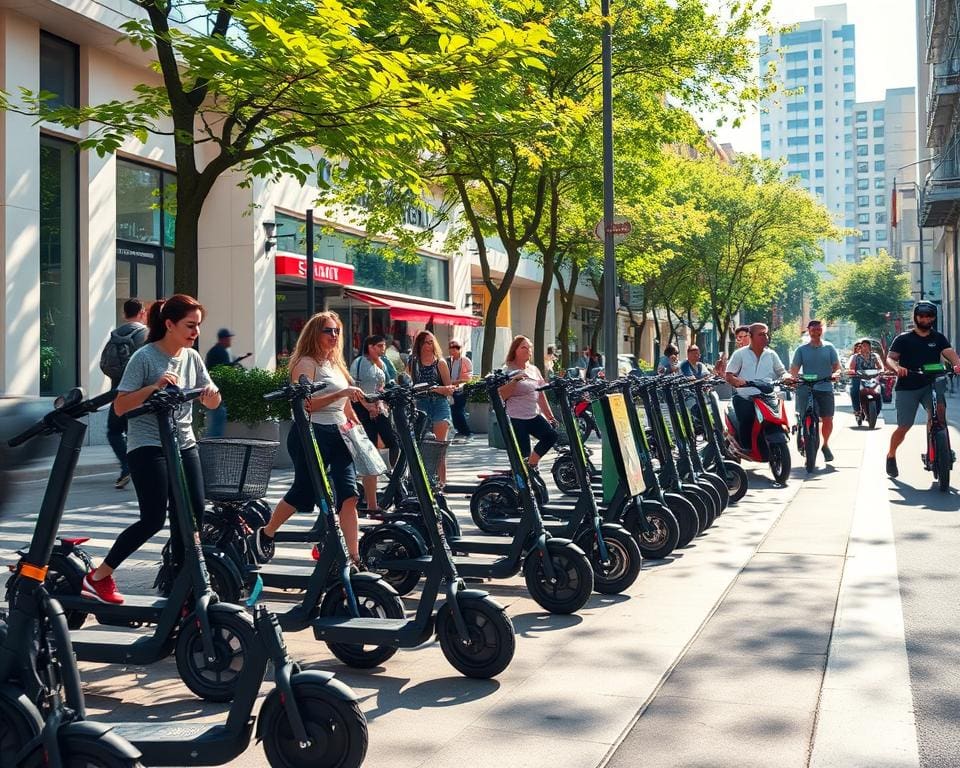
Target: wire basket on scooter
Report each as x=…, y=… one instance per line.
x=236, y=469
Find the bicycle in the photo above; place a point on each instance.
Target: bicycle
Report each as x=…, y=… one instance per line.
x=808, y=425
x=938, y=457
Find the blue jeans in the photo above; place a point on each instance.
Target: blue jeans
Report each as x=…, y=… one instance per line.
x=216, y=421
x=458, y=412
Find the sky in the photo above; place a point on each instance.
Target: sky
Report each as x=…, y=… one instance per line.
x=886, y=55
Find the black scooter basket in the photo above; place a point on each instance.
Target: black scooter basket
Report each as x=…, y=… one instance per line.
x=236, y=469
x=433, y=452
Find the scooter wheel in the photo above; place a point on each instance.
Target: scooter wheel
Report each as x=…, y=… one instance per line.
x=375, y=600
x=17, y=726
x=224, y=581
x=780, y=462
x=565, y=475
x=687, y=515
x=663, y=539
x=335, y=725
x=573, y=582
x=623, y=563
x=215, y=680
x=63, y=578
x=872, y=412
x=385, y=543
x=492, y=502
x=737, y=480
x=491, y=643
x=720, y=486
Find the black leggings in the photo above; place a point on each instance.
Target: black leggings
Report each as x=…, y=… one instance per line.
x=152, y=481
x=379, y=426
x=540, y=428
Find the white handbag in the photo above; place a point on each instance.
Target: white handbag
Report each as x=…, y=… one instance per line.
x=366, y=457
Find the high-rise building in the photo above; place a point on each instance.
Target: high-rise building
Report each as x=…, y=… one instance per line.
x=938, y=127
x=809, y=121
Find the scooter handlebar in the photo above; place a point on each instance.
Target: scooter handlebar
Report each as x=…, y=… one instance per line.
x=166, y=400
x=304, y=387
x=72, y=404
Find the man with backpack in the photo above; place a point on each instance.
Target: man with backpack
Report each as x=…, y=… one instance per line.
x=124, y=341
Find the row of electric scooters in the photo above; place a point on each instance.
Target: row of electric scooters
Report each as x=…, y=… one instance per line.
x=309, y=718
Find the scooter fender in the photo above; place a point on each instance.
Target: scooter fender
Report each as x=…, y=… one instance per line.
x=103, y=734
x=210, y=552
x=369, y=578
x=475, y=594
x=14, y=698
x=313, y=678
x=775, y=436
x=611, y=529
x=229, y=608
x=405, y=527
x=555, y=542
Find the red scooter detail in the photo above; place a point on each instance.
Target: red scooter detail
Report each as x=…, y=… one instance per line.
x=769, y=435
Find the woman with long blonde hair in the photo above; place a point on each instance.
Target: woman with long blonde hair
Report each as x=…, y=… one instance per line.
x=319, y=356
x=427, y=366
x=527, y=408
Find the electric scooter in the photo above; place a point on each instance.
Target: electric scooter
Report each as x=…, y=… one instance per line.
x=43, y=720
x=556, y=571
x=769, y=434
x=309, y=718
x=359, y=615
x=871, y=397
x=191, y=618
x=713, y=454
x=613, y=551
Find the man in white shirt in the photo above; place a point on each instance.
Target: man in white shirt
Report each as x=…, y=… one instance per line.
x=754, y=362
x=461, y=369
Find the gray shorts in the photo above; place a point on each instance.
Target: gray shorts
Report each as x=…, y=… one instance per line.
x=825, y=402
x=907, y=401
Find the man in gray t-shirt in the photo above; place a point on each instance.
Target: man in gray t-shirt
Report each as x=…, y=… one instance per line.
x=820, y=358
x=146, y=366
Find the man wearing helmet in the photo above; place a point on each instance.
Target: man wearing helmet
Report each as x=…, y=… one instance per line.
x=912, y=350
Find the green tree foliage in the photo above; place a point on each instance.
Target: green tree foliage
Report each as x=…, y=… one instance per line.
x=862, y=293
x=362, y=82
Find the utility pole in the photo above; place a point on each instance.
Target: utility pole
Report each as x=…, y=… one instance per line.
x=609, y=260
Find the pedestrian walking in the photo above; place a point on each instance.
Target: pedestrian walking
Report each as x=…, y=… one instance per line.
x=319, y=356
x=461, y=369
x=124, y=341
x=370, y=373
x=219, y=354
x=168, y=358
x=426, y=366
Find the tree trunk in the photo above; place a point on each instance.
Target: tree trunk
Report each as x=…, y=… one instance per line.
x=540, y=319
x=490, y=330
x=187, y=241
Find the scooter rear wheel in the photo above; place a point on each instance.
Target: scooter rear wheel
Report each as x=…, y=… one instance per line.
x=216, y=680
x=720, y=486
x=383, y=544
x=737, y=480
x=574, y=578
x=702, y=502
x=944, y=460
x=687, y=516
x=665, y=536
x=492, y=501
x=335, y=725
x=82, y=752
x=565, y=475
x=17, y=727
x=492, y=640
x=375, y=600
x=623, y=559
x=64, y=577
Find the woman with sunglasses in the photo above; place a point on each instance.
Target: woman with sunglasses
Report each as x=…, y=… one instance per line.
x=319, y=356
x=426, y=366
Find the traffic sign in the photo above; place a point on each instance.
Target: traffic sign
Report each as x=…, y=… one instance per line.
x=620, y=227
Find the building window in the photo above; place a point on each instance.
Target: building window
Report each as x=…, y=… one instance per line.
x=878, y=114
x=879, y=165
x=793, y=57
x=797, y=124
x=863, y=167
x=880, y=235
x=818, y=87
x=818, y=71
x=60, y=70
x=798, y=106
x=849, y=87
x=819, y=190
x=880, y=217
x=848, y=70
x=145, y=232
x=862, y=132
x=848, y=154
x=861, y=117
x=847, y=120
x=818, y=105
x=818, y=122
x=819, y=173
x=863, y=218
x=865, y=237
x=790, y=39
x=863, y=183
x=878, y=149
x=805, y=175
x=818, y=53
x=797, y=73
x=878, y=131
x=848, y=189
x=798, y=158
x=848, y=53
x=59, y=266
x=879, y=199
x=765, y=145
x=818, y=139
x=818, y=156
x=863, y=200
x=765, y=128
x=879, y=182
x=862, y=150
x=798, y=141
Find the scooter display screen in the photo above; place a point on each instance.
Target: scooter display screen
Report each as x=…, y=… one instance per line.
x=623, y=444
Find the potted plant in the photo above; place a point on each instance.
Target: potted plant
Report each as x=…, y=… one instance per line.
x=248, y=414
x=478, y=408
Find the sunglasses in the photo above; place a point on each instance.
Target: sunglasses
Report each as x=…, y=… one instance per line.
x=332, y=331
x=454, y=346
x=925, y=314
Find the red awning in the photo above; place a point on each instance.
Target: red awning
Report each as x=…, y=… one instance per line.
x=413, y=311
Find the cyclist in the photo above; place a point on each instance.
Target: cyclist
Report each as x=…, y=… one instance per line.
x=818, y=357
x=910, y=351
x=751, y=363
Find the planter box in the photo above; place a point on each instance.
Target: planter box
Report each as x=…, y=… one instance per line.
x=268, y=430
x=478, y=416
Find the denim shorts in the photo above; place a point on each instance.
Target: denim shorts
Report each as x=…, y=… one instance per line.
x=437, y=408
x=340, y=470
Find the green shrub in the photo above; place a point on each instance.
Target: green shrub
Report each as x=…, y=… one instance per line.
x=479, y=394
x=243, y=389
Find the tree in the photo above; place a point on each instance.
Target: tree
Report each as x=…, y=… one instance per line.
x=864, y=292
x=362, y=81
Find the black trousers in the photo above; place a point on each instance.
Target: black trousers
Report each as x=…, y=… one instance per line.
x=743, y=407
x=539, y=428
x=152, y=480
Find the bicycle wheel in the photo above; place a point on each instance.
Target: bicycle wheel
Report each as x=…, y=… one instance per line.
x=811, y=441
x=942, y=460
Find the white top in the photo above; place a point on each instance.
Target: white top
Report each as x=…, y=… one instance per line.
x=524, y=403
x=332, y=413
x=745, y=364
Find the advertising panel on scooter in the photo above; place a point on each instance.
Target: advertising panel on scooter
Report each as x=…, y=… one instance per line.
x=624, y=447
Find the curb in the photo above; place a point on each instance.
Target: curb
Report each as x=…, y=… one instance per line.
x=41, y=471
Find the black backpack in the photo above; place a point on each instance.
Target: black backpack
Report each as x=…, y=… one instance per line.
x=117, y=353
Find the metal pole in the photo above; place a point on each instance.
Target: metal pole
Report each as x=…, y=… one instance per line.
x=609, y=261
x=311, y=297
x=920, y=233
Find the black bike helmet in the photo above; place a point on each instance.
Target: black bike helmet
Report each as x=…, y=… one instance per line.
x=927, y=307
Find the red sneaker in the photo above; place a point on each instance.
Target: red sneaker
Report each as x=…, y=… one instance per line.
x=104, y=590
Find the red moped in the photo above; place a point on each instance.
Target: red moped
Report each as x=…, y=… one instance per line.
x=769, y=435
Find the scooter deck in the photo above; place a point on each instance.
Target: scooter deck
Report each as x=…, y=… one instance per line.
x=113, y=647
x=286, y=576
x=143, y=608
x=186, y=743
x=480, y=545
x=369, y=631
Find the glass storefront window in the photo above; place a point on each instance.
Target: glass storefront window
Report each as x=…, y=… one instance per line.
x=59, y=70
x=59, y=266
x=428, y=278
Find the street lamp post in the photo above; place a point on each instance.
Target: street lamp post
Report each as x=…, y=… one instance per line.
x=609, y=260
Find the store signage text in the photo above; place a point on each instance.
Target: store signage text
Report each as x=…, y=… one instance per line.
x=291, y=265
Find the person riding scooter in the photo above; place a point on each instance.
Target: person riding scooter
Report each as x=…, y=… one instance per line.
x=751, y=363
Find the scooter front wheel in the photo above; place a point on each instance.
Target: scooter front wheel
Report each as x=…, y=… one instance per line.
x=665, y=536
x=18, y=724
x=779, y=462
x=375, y=600
x=622, y=566
x=216, y=680
x=491, y=641
x=872, y=413
x=737, y=480
x=572, y=585
x=335, y=725
x=565, y=475
x=389, y=542
x=492, y=502
x=83, y=752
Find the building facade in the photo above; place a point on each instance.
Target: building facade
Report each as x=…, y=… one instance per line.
x=938, y=79
x=809, y=123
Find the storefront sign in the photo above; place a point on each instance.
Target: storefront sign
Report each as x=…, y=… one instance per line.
x=292, y=265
